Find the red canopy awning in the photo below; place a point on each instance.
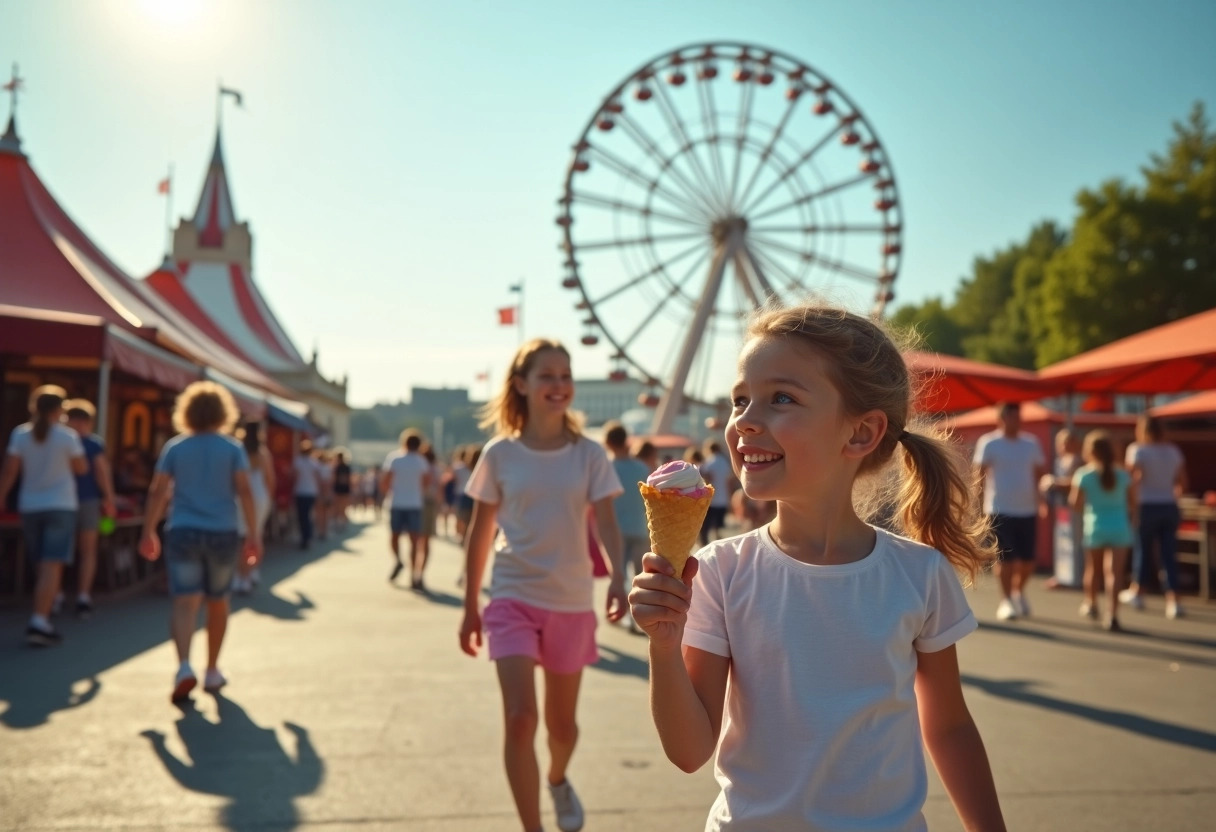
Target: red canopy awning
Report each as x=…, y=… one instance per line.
x=950, y=384
x=1171, y=358
x=1201, y=404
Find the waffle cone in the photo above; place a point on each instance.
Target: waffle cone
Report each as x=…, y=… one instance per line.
x=674, y=521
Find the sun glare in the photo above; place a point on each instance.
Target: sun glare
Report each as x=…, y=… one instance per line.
x=171, y=12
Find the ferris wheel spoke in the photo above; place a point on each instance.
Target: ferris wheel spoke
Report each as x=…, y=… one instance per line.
x=661, y=267
x=837, y=266
x=822, y=192
x=676, y=124
x=709, y=117
x=768, y=149
x=747, y=263
x=743, y=282
x=843, y=228
x=639, y=241
x=745, y=111
x=677, y=288
x=793, y=283
x=694, y=205
x=607, y=202
x=639, y=135
x=791, y=169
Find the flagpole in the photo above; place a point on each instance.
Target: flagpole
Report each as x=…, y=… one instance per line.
x=518, y=288
x=169, y=215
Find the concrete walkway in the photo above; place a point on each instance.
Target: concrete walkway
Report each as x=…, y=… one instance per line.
x=351, y=707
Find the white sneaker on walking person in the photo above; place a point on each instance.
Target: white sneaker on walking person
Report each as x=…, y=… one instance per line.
x=1132, y=598
x=1006, y=611
x=567, y=806
x=1174, y=610
x=1019, y=604
x=183, y=683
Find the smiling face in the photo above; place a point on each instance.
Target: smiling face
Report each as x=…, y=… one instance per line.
x=787, y=431
x=547, y=386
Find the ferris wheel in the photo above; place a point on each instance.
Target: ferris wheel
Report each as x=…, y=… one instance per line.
x=710, y=181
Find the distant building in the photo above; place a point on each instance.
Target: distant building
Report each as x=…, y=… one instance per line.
x=438, y=402
x=602, y=399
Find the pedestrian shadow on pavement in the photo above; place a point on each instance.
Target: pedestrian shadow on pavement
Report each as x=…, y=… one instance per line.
x=1128, y=643
x=35, y=683
x=623, y=664
x=266, y=602
x=1020, y=690
x=444, y=599
x=239, y=760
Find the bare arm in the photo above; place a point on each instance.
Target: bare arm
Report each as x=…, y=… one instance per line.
x=80, y=465
x=244, y=495
x=688, y=685
x=477, y=552
x=105, y=481
x=386, y=482
x=154, y=510
x=1076, y=499
x=954, y=742
x=8, y=476
x=609, y=533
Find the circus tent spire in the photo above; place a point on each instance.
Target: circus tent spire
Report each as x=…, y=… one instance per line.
x=215, y=213
x=10, y=142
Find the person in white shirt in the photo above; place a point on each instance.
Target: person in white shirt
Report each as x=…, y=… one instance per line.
x=49, y=456
x=407, y=474
x=306, y=488
x=715, y=470
x=1159, y=472
x=1011, y=464
x=814, y=654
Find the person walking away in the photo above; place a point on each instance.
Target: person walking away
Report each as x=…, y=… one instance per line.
x=323, y=461
x=825, y=732
x=715, y=470
x=1159, y=471
x=432, y=498
x=406, y=474
x=1104, y=496
x=342, y=487
x=261, y=486
x=648, y=454
x=629, y=508
x=306, y=487
x=95, y=499
x=447, y=505
x=462, y=467
x=48, y=456
x=1069, y=552
x=1011, y=464
x=205, y=472
x=534, y=481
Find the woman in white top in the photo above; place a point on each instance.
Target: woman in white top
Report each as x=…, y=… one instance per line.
x=261, y=485
x=50, y=456
x=1159, y=471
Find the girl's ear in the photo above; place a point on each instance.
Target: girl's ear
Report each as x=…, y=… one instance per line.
x=868, y=432
x=519, y=384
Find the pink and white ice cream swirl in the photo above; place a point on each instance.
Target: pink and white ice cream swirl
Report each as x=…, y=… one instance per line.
x=678, y=476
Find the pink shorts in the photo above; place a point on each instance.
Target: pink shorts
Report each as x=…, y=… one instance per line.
x=560, y=642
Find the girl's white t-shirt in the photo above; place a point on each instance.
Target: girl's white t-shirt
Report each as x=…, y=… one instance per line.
x=820, y=729
x=541, y=556
x=47, y=480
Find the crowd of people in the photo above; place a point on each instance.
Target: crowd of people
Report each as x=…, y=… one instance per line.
x=822, y=402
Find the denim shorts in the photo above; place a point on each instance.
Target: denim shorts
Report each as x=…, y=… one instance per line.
x=50, y=536
x=200, y=561
x=405, y=520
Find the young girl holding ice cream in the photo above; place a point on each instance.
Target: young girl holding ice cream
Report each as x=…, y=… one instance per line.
x=836, y=637
x=534, y=481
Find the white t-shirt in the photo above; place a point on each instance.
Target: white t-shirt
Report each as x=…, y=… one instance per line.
x=47, y=480
x=307, y=483
x=541, y=555
x=820, y=728
x=408, y=468
x=1010, y=486
x=1159, y=465
x=716, y=472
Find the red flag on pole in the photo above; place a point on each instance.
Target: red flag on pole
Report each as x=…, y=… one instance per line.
x=163, y=186
x=506, y=316
x=482, y=377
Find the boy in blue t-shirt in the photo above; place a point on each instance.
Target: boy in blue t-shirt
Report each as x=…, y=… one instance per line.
x=206, y=471
x=95, y=499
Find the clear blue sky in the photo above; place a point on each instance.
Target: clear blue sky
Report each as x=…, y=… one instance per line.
x=399, y=162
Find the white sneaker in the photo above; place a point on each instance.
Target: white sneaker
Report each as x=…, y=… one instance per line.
x=1132, y=598
x=214, y=680
x=1019, y=604
x=1174, y=610
x=1006, y=611
x=183, y=683
x=567, y=806
x=1088, y=610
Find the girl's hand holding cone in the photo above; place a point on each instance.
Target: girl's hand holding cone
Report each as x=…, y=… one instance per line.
x=659, y=601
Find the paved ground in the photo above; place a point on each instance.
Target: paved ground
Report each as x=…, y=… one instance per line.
x=350, y=707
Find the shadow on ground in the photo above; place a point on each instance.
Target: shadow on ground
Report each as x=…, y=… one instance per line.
x=36, y=683
x=1021, y=690
x=239, y=760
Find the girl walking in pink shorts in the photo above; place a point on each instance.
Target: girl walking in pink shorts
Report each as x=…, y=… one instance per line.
x=534, y=480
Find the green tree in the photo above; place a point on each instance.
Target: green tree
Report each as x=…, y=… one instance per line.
x=933, y=324
x=1139, y=256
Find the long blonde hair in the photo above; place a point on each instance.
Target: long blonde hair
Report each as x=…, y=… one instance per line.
x=507, y=413
x=933, y=495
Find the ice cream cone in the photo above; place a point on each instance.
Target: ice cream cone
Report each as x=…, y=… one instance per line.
x=674, y=521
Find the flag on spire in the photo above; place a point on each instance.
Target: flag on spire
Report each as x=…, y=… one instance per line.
x=506, y=316
x=162, y=187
